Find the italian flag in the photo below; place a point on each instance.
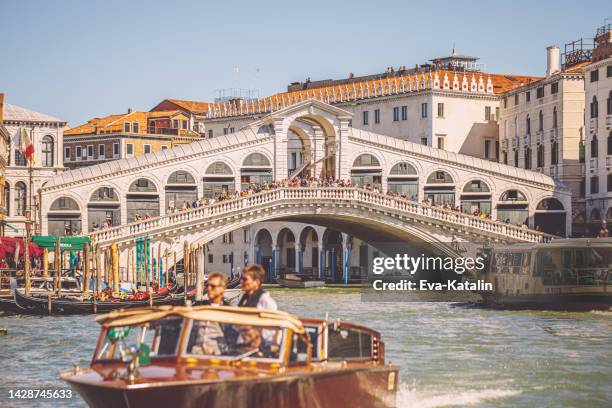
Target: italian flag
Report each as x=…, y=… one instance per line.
x=26, y=145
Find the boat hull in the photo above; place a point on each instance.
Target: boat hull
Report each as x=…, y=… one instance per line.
x=41, y=306
x=297, y=284
x=566, y=302
x=372, y=387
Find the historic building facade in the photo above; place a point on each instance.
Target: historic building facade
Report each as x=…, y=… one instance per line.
x=4, y=155
x=23, y=181
x=541, y=127
x=598, y=120
x=125, y=135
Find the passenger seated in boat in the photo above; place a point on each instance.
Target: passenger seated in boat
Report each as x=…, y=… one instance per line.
x=251, y=341
x=215, y=289
x=251, y=283
x=210, y=338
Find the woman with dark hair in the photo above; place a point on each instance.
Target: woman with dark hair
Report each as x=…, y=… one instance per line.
x=251, y=283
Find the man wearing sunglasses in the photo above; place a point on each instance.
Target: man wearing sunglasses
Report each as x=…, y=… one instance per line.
x=215, y=288
x=251, y=283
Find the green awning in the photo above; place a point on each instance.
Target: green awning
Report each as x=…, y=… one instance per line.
x=66, y=243
x=9, y=225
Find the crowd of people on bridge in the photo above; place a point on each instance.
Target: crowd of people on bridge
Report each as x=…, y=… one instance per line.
x=298, y=182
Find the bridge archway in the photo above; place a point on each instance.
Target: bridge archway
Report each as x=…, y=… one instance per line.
x=142, y=200
x=476, y=197
x=181, y=190
x=550, y=216
x=264, y=249
x=513, y=207
x=367, y=171
x=439, y=188
x=218, y=178
x=285, y=244
x=256, y=169
x=64, y=217
x=333, y=255
x=403, y=179
x=308, y=252
x=104, y=208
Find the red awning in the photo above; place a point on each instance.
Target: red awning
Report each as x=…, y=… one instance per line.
x=8, y=247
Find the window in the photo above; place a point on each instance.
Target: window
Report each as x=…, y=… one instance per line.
x=66, y=153
x=147, y=148
x=210, y=133
x=376, y=116
x=581, y=154
x=540, y=156
x=487, y=113
x=505, y=157
x=440, y=110
x=582, y=188
x=528, y=125
x=175, y=123
x=609, y=71
x=210, y=258
x=497, y=113
x=90, y=152
x=164, y=147
x=79, y=153
x=497, y=149
x=505, y=102
x=594, y=108
x=184, y=124
x=516, y=99
x=101, y=151
x=555, y=118
x=395, y=114
x=487, y=149
x=594, y=185
x=610, y=143
x=527, y=96
x=424, y=141
x=595, y=75
x=404, y=112
x=115, y=149
x=225, y=131
x=609, y=104
x=594, y=146
x=245, y=235
x=554, y=153
x=126, y=127
x=515, y=125
x=440, y=142
x=366, y=118
x=527, y=158
x=129, y=148
x=231, y=130
x=516, y=158
x=554, y=88
x=540, y=121
x=20, y=198
x=424, y=110
x=135, y=127
x=540, y=92
x=609, y=182
x=47, y=151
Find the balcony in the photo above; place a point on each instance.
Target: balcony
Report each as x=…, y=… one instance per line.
x=593, y=125
x=505, y=144
x=554, y=135
x=540, y=137
x=608, y=122
x=527, y=140
x=609, y=161
x=515, y=142
x=553, y=172
x=593, y=164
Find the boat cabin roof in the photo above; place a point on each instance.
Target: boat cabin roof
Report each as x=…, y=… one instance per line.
x=222, y=314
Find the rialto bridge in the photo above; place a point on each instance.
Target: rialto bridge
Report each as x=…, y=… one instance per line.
x=310, y=138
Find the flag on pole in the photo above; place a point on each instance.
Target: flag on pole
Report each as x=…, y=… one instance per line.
x=27, y=147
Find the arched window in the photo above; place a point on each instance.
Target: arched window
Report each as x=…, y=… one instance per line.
x=609, y=104
x=181, y=177
x=64, y=217
x=366, y=160
x=554, y=153
x=528, y=125
x=476, y=186
x=540, y=121
x=20, y=198
x=104, y=194
x=64, y=204
x=594, y=108
x=513, y=195
x=403, y=169
x=438, y=177
x=527, y=158
x=610, y=143
x=554, y=118
x=594, y=146
x=516, y=125
x=550, y=204
x=219, y=168
x=516, y=158
x=142, y=185
x=256, y=159
x=540, y=155
x=47, y=151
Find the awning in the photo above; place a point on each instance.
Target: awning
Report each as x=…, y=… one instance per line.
x=9, y=243
x=9, y=225
x=66, y=243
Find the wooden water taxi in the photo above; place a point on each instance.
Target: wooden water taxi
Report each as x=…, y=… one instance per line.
x=217, y=357
x=296, y=281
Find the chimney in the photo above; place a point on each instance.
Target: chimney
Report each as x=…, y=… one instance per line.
x=129, y=110
x=552, y=60
x=1, y=107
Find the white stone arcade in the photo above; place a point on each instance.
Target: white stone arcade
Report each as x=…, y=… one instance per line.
x=268, y=149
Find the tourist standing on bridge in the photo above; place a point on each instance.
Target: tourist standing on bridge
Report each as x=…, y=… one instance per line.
x=251, y=283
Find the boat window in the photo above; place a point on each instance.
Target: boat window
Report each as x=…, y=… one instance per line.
x=299, y=350
x=347, y=343
x=159, y=337
x=234, y=341
x=314, y=334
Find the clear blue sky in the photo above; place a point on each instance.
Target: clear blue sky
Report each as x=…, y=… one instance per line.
x=80, y=59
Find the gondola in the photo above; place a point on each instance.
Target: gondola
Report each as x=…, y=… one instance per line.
x=38, y=305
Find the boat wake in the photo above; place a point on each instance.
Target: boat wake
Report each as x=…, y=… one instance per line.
x=409, y=397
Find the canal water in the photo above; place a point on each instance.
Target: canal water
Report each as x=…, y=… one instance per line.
x=450, y=355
